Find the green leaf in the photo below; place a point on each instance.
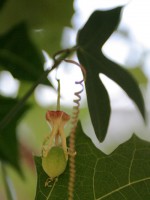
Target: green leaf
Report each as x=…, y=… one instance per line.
x=45, y=19
x=19, y=55
x=98, y=28
x=90, y=40
x=9, y=151
x=98, y=99
x=124, y=174
x=124, y=80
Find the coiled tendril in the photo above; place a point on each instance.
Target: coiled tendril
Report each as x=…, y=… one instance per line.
x=74, y=120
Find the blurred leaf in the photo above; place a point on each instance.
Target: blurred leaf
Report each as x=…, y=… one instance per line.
x=2, y=2
x=19, y=56
x=124, y=174
x=8, y=140
x=90, y=40
x=138, y=75
x=46, y=19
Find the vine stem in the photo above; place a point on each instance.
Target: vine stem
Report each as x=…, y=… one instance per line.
x=8, y=187
x=12, y=113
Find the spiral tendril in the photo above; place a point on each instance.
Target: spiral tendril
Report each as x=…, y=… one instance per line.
x=74, y=121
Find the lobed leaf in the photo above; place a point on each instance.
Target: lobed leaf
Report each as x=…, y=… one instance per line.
x=124, y=80
x=90, y=40
x=98, y=99
x=98, y=29
x=124, y=174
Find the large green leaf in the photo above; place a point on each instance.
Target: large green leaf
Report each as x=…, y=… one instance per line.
x=19, y=55
x=124, y=174
x=9, y=151
x=90, y=40
x=46, y=19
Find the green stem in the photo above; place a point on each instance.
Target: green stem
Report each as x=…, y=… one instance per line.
x=8, y=187
x=12, y=113
x=58, y=96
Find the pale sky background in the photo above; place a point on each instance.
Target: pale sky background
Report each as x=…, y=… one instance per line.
x=125, y=118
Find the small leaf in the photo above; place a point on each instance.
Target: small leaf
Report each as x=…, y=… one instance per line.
x=90, y=40
x=19, y=56
x=124, y=174
x=8, y=140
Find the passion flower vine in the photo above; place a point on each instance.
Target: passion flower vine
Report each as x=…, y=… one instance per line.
x=54, y=150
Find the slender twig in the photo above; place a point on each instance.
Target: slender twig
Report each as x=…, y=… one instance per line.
x=12, y=113
x=8, y=187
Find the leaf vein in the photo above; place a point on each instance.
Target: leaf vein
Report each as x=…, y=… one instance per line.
x=130, y=167
x=123, y=187
x=94, y=172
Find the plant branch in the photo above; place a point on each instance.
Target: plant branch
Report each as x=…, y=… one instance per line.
x=12, y=113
